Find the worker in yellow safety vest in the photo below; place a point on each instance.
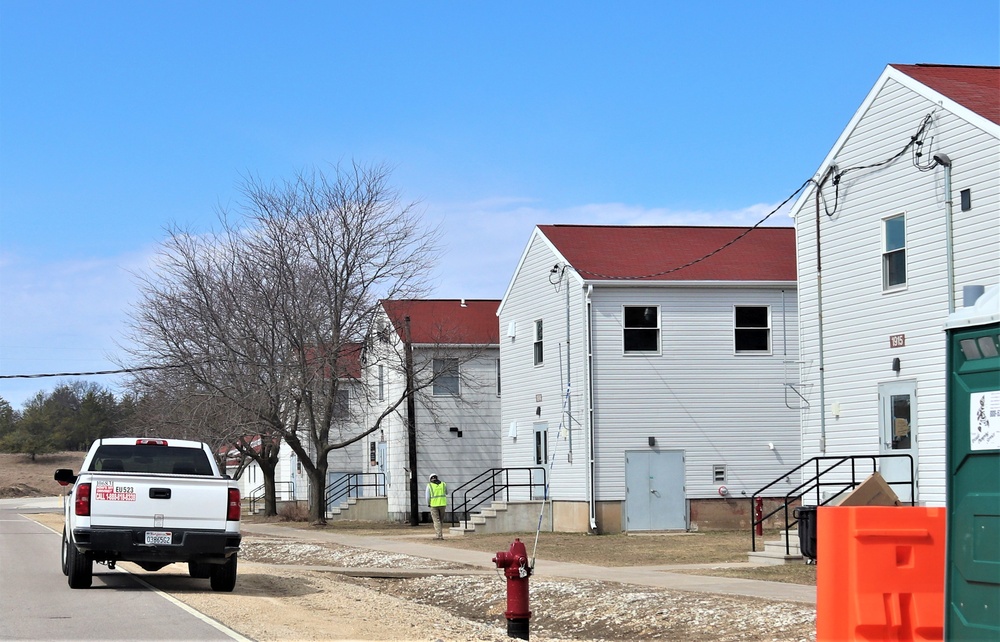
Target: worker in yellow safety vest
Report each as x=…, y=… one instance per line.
x=437, y=499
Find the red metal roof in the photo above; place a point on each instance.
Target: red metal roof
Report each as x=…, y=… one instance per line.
x=635, y=253
x=446, y=321
x=977, y=88
x=348, y=361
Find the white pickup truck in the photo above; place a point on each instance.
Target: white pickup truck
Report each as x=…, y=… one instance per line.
x=152, y=502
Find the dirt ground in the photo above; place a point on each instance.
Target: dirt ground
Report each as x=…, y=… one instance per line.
x=287, y=591
x=22, y=477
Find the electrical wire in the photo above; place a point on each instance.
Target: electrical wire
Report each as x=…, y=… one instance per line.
x=89, y=374
x=707, y=256
x=915, y=143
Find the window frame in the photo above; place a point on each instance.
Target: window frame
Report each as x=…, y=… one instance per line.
x=440, y=375
x=889, y=253
x=342, y=403
x=752, y=328
x=657, y=329
x=537, y=345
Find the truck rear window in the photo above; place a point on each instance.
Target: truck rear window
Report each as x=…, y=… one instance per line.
x=151, y=459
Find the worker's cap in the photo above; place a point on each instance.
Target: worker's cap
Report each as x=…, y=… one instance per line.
x=432, y=478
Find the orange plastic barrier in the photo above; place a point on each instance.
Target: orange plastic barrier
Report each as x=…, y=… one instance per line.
x=880, y=573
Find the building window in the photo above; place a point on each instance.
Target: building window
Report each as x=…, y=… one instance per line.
x=498, y=377
x=894, y=253
x=341, y=409
x=539, y=353
x=381, y=382
x=446, y=377
x=641, y=329
x=752, y=332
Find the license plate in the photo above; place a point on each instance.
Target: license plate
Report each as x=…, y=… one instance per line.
x=159, y=537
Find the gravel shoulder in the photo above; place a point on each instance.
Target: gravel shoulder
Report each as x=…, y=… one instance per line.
x=290, y=589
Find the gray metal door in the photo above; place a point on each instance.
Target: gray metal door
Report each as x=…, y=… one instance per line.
x=654, y=490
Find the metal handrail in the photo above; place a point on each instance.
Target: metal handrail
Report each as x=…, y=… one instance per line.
x=352, y=485
x=254, y=497
x=816, y=483
x=487, y=486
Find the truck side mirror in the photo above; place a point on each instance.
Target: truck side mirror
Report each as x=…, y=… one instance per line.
x=65, y=476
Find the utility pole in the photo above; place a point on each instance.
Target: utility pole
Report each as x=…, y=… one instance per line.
x=411, y=426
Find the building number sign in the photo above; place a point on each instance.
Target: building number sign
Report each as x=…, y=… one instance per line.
x=897, y=340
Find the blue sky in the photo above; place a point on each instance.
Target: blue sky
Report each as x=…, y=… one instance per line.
x=120, y=118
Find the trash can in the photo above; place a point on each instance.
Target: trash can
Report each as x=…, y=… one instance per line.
x=807, y=530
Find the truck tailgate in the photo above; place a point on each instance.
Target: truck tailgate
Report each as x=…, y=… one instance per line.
x=155, y=501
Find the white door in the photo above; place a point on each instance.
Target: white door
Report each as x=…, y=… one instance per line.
x=541, y=459
x=382, y=458
x=898, y=434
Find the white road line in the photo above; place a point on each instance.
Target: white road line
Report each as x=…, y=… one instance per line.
x=198, y=614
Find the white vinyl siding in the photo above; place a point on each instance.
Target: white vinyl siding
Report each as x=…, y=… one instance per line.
x=531, y=297
x=439, y=450
x=697, y=397
x=717, y=407
x=858, y=316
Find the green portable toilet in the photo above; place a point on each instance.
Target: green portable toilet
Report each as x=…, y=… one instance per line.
x=972, y=578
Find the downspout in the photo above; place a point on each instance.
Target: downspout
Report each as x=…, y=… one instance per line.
x=569, y=379
x=944, y=161
x=591, y=483
x=819, y=306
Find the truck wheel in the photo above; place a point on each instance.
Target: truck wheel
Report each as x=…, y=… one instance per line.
x=199, y=569
x=80, y=568
x=223, y=576
x=65, y=549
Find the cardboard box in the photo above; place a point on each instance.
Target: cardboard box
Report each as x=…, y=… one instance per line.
x=873, y=491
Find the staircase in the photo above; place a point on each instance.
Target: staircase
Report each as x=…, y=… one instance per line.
x=832, y=477
x=502, y=517
x=774, y=553
x=362, y=509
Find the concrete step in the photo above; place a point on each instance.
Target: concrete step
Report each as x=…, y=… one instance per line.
x=779, y=547
x=462, y=528
x=774, y=559
x=775, y=552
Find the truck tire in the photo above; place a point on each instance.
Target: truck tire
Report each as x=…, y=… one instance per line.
x=65, y=551
x=223, y=576
x=80, y=568
x=199, y=569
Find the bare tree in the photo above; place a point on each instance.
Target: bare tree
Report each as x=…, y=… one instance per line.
x=170, y=406
x=267, y=313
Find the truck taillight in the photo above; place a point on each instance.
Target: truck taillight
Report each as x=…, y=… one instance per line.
x=150, y=442
x=81, y=498
x=233, y=513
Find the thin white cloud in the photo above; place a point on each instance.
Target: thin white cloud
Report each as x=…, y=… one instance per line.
x=70, y=316
x=483, y=240
x=63, y=316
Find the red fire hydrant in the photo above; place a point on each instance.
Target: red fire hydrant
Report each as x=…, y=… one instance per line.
x=516, y=570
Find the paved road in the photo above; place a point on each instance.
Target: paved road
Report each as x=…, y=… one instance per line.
x=37, y=604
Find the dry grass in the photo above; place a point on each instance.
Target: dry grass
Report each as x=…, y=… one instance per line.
x=706, y=547
x=22, y=477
